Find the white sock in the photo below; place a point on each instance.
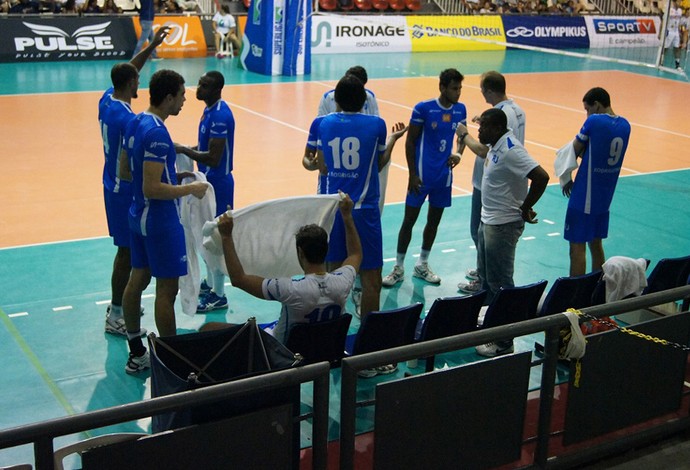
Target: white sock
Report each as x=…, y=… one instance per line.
x=218, y=283
x=423, y=256
x=115, y=311
x=400, y=260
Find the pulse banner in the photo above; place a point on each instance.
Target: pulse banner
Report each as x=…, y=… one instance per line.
x=33, y=39
x=275, y=37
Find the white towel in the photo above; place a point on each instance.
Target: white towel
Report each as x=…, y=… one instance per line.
x=184, y=163
x=565, y=163
x=623, y=277
x=264, y=234
x=194, y=212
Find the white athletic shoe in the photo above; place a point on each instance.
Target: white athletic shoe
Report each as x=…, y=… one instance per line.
x=423, y=271
x=138, y=363
x=494, y=349
x=397, y=275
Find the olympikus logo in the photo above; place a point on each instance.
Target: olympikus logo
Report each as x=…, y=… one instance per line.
x=52, y=38
x=548, y=32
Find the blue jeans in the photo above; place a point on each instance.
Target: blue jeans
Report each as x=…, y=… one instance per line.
x=476, y=215
x=146, y=35
x=496, y=255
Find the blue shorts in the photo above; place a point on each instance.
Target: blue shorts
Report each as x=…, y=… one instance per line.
x=163, y=253
x=584, y=228
x=224, y=188
x=368, y=223
x=116, y=212
x=439, y=196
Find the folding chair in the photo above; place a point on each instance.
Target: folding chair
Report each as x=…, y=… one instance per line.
x=570, y=292
x=82, y=446
x=320, y=341
x=514, y=304
x=450, y=316
x=385, y=329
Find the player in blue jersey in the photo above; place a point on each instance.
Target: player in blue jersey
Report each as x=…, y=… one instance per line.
x=310, y=162
x=351, y=151
x=158, y=244
x=430, y=162
x=601, y=143
x=214, y=154
x=114, y=112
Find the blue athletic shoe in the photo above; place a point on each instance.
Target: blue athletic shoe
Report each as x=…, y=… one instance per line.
x=205, y=289
x=212, y=302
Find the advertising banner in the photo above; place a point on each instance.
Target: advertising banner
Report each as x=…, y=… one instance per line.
x=554, y=32
x=336, y=34
x=185, y=39
x=623, y=31
x=456, y=33
x=57, y=39
x=297, y=53
x=262, y=44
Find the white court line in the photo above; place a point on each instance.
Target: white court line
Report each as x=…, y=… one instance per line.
x=547, y=221
x=102, y=302
x=148, y=296
x=449, y=250
x=553, y=234
x=18, y=314
x=529, y=238
x=60, y=309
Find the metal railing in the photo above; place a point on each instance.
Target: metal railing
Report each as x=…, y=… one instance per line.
x=42, y=434
x=549, y=325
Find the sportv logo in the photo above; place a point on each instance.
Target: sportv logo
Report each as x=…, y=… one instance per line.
x=51, y=38
x=625, y=26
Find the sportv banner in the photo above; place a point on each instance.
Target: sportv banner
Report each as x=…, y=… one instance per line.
x=185, y=39
x=554, y=32
x=30, y=39
x=623, y=31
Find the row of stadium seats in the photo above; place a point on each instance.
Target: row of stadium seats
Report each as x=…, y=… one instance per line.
x=366, y=5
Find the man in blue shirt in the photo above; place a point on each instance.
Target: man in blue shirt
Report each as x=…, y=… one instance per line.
x=601, y=143
x=157, y=237
x=146, y=15
x=351, y=151
x=430, y=161
x=214, y=155
x=114, y=113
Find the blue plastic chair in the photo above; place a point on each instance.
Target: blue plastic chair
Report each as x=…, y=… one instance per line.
x=514, y=304
x=320, y=341
x=385, y=329
x=570, y=292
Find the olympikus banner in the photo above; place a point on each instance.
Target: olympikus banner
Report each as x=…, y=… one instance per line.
x=554, y=32
x=31, y=39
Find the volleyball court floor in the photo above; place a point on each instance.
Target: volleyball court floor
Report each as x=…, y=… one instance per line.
x=56, y=259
